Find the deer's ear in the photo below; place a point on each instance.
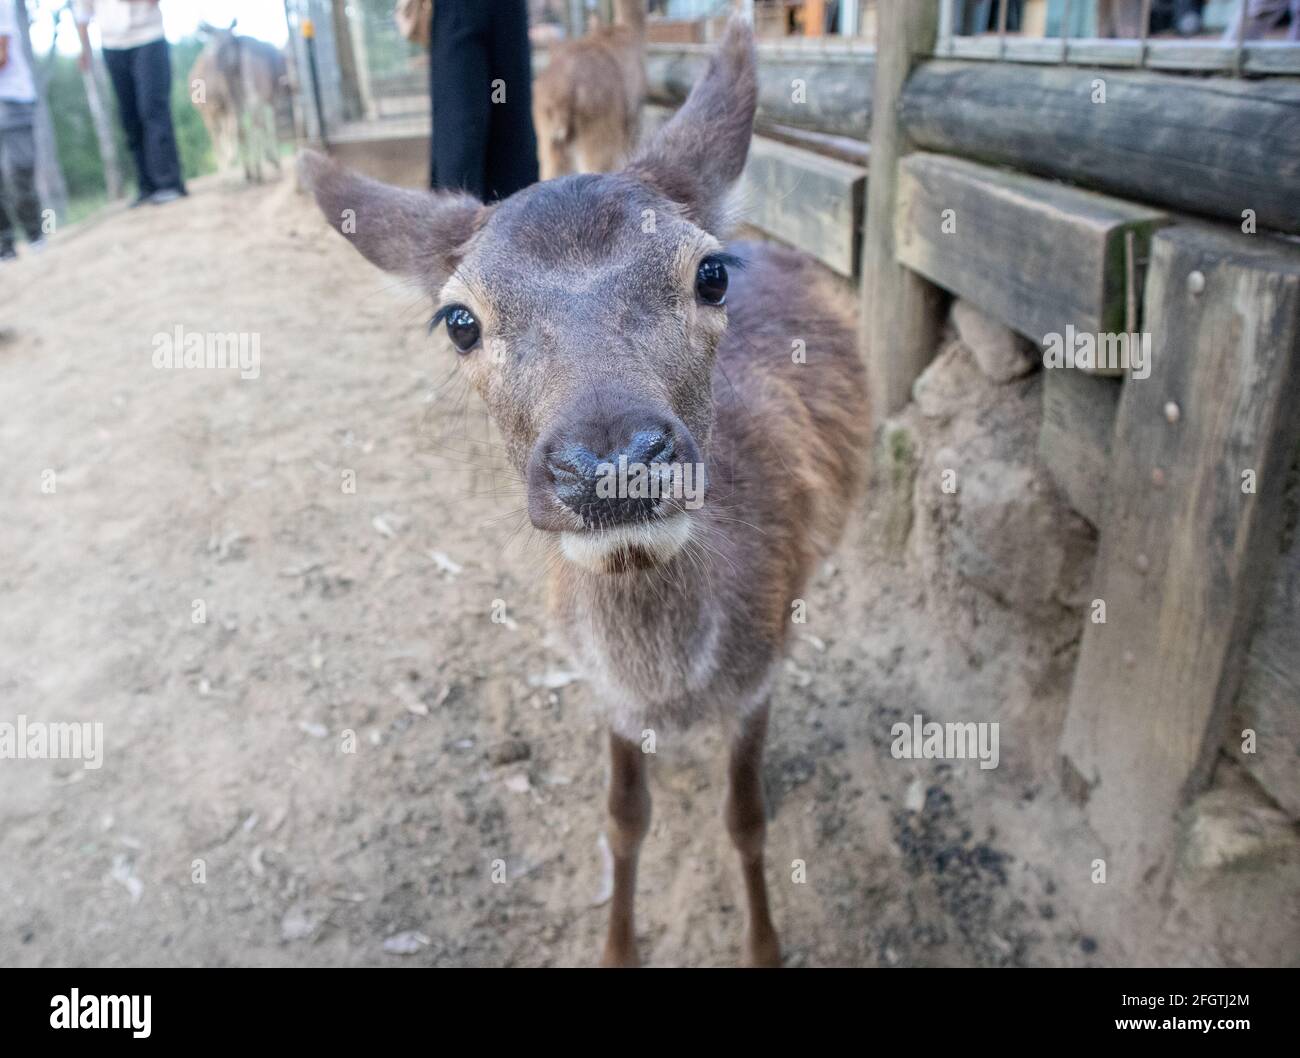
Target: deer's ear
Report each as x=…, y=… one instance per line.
x=698, y=156
x=413, y=233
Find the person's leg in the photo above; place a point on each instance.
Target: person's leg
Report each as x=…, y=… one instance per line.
x=512, y=141
x=1261, y=16
x=6, y=224
x=152, y=69
x=461, y=94
x=118, y=62
x=20, y=152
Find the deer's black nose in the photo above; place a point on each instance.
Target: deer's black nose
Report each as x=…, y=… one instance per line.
x=617, y=487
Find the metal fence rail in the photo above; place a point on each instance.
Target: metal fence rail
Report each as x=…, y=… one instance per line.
x=1238, y=55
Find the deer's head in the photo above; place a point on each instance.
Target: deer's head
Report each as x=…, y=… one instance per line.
x=586, y=312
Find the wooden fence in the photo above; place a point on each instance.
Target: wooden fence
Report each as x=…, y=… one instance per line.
x=1061, y=188
x=1084, y=184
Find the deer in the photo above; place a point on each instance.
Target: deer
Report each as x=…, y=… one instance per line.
x=603, y=322
x=587, y=102
x=242, y=80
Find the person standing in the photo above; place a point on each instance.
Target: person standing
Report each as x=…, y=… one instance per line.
x=139, y=65
x=480, y=83
x=19, y=203
x=1263, y=16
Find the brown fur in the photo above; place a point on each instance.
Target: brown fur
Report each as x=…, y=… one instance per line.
x=590, y=323
x=587, y=102
x=243, y=79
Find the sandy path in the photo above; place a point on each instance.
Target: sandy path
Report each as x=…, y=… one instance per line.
x=326, y=613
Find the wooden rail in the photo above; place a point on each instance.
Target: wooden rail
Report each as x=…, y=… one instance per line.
x=1182, y=467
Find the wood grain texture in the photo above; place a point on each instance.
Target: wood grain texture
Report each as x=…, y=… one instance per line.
x=1075, y=435
x=1269, y=703
x=813, y=203
x=1184, y=551
x=1210, y=145
x=836, y=95
x=1035, y=254
x=901, y=312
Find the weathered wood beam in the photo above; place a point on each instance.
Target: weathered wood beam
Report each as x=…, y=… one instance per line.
x=1074, y=437
x=823, y=92
x=1189, y=527
x=807, y=198
x=812, y=202
x=1213, y=146
x=1035, y=254
x=901, y=312
x=1269, y=703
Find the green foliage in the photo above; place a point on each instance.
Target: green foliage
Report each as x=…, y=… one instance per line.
x=75, y=132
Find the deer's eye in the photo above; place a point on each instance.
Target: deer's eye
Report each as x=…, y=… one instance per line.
x=462, y=327
x=711, y=281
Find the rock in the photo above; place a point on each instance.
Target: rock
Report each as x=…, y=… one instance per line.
x=297, y=924
x=1238, y=872
x=408, y=943
x=953, y=382
x=1231, y=829
x=1001, y=353
x=511, y=751
x=896, y=462
x=985, y=514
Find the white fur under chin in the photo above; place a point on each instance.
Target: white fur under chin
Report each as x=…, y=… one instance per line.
x=659, y=539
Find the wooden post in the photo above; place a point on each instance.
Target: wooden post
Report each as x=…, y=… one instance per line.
x=901, y=312
x=1190, y=525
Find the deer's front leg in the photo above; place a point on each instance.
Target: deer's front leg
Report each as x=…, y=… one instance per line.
x=629, y=819
x=747, y=825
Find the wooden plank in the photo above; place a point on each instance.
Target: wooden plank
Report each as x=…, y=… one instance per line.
x=1269, y=703
x=1184, y=549
x=822, y=90
x=1213, y=146
x=812, y=202
x=1074, y=437
x=847, y=149
x=1037, y=255
x=901, y=312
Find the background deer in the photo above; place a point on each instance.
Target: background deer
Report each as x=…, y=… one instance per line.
x=587, y=102
x=242, y=80
x=595, y=316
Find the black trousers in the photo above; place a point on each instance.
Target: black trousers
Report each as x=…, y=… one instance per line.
x=18, y=199
x=480, y=83
x=142, y=82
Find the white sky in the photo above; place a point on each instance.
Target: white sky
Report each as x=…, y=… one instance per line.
x=257, y=18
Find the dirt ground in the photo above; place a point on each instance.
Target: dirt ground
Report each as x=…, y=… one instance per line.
x=228, y=824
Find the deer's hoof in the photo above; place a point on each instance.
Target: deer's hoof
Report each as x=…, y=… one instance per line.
x=618, y=957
